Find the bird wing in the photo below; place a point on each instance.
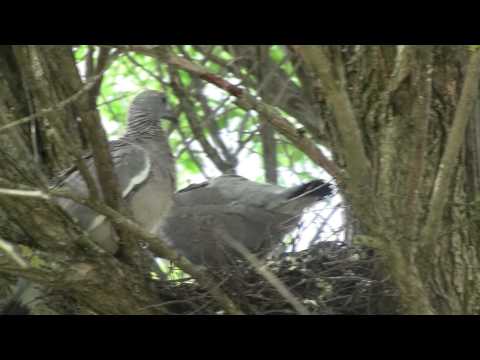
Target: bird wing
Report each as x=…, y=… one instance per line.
x=256, y=215
x=132, y=166
x=229, y=203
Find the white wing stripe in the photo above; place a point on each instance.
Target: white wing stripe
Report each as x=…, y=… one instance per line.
x=139, y=178
x=97, y=221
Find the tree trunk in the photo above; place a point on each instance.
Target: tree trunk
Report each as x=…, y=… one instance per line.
x=404, y=100
x=59, y=255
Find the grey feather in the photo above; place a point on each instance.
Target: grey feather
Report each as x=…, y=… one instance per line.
x=144, y=167
x=256, y=215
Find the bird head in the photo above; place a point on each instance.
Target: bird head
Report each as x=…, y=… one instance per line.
x=151, y=104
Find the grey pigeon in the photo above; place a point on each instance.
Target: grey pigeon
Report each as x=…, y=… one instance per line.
x=256, y=215
x=144, y=167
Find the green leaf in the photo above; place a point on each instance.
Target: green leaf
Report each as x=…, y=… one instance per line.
x=277, y=53
x=185, y=78
x=80, y=52
x=213, y=67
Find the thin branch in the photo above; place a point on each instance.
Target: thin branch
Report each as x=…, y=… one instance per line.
x=263, y=271
x=245, y=101
x=25, y=193
x=197, y=129
x=244, y=142
x=325, y=222
x=298, y=138
x=104, y=59
x=149, y=72
x=191, y=153
x=211, y=124
x=9, y=250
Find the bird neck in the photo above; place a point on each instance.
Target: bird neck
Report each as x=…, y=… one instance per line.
x=144, y=128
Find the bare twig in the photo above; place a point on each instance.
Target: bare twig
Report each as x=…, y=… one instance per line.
x=263, y=271
x=190, y=152
x=325, y=222
x=197, y=130
x=25, y=193
x=9, y=250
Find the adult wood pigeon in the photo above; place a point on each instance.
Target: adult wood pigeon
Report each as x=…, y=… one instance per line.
x=255, y=215
x=144, y=167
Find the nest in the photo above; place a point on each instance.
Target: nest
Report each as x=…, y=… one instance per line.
x=328, y=278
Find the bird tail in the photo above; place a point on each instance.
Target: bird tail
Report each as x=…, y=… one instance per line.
x=297, y=198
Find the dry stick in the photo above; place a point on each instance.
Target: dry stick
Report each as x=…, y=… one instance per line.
x=262, y=270
x=455, y=141
x=9, y=250
x=244, y=100
x=24, y=193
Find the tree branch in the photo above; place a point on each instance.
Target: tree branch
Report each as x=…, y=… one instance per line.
x=263, y=271
x=245, y=101
x=356, y=159
x=196, y=128
x=9, y=249
x=455, y=141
